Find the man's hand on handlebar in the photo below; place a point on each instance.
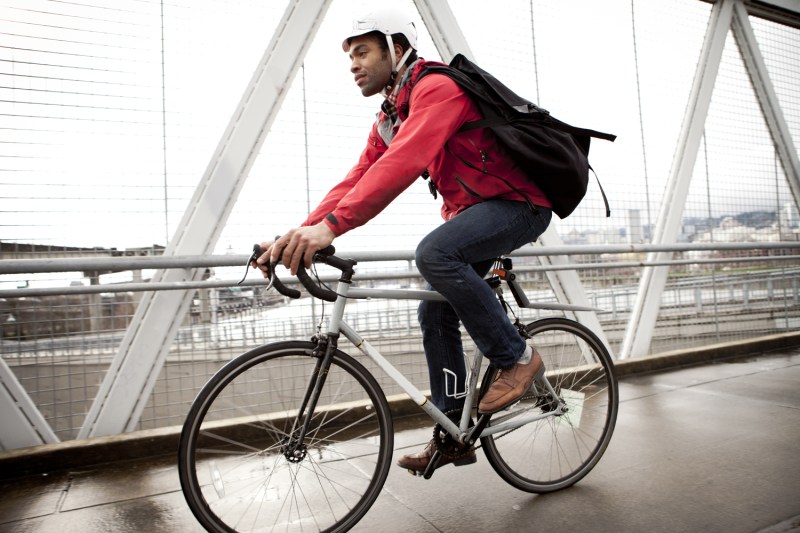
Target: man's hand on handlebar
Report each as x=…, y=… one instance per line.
x=296, y=245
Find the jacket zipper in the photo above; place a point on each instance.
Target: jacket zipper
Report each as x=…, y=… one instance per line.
x=484, y=158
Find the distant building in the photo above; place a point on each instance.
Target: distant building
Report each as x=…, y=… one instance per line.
x=789, y=218
x=635, y=231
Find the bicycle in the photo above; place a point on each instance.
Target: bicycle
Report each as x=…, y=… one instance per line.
x=297, y=435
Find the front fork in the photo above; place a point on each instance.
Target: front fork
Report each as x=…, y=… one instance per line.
x=294, y=448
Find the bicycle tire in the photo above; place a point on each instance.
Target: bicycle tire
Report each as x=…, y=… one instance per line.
x=557, y=451
x=233, y=472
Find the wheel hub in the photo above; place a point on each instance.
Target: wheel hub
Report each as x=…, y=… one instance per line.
x=294, y=451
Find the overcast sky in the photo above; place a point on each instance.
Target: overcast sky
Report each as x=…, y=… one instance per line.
x=83, y=144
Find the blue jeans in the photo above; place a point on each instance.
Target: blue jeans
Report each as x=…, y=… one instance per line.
x=453, y=259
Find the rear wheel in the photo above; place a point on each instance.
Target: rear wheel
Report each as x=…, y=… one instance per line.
x=557, y=451
x=241, y=466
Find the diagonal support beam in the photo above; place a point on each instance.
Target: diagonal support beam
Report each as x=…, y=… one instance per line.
x=21, y=423
x=641, y=325
x=568, y=287
x=444, y=29
x=767, y=99
x=138, y=362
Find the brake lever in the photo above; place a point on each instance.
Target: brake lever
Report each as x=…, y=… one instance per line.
x=255, y=255
x=270, y=275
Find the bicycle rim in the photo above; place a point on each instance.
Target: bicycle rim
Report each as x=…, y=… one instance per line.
x=234, y=471
x=557, y=451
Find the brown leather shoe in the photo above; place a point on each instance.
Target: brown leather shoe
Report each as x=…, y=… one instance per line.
x=419, y=461
x=510, y=385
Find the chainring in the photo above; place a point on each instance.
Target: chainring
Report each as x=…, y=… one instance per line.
x=447, y=445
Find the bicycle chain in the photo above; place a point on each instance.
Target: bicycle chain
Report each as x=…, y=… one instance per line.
x=450, y=448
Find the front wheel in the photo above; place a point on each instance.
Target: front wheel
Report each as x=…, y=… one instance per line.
x=241, y=466
x=558, y=450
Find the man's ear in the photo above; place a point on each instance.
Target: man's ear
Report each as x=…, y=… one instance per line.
x=398, y=53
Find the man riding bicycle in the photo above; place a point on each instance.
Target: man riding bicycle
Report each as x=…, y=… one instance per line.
x=489, y=206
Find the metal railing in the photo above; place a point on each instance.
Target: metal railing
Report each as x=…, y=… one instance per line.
x=59, y=341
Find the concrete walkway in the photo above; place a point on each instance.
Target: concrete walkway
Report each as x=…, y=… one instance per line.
x=714, y=447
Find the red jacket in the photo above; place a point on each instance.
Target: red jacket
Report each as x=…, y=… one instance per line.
x=427, y=139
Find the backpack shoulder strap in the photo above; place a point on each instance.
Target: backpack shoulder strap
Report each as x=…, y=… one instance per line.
x=602, y=192
x=483, y=86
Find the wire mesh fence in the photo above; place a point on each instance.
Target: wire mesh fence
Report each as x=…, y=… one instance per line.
x=110, y=114
x=60, y=347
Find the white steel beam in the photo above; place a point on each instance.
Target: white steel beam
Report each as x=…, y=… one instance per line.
x=138, y=362
x=792, y=6
x=21, y=423
x=568, y=287
x=443, y=29
x=639, y=331
x=767, y=99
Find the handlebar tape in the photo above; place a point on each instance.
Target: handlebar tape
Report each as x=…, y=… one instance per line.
x=302, y=275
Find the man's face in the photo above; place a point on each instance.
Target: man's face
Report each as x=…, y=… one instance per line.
x=370, y=64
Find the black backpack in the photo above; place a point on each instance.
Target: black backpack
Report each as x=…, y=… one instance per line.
x=553, y=154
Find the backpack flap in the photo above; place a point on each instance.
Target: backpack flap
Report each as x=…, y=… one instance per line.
x=553, y=153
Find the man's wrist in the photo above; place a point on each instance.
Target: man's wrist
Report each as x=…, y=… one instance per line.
x=331, y=225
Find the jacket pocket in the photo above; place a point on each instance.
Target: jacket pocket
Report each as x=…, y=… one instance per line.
x=468, y=189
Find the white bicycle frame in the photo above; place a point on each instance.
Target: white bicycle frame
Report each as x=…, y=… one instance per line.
x=337, y=325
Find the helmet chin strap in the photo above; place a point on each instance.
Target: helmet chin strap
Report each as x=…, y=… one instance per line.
x=403, y=59
x=396, y=65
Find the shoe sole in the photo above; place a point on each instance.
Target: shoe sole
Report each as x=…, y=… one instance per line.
x=510, y=403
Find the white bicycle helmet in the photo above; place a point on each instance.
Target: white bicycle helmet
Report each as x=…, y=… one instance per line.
x=388, y=21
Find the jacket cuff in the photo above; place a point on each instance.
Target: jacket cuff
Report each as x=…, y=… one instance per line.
x=333, y=223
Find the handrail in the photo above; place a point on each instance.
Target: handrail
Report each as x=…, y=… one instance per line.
x=119, y=264
x=25, y=266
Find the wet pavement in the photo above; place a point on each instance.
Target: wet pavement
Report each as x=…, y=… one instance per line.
x=714, y=447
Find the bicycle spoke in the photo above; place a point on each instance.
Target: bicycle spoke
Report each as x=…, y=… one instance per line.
x=561, y=447
x=242, y=466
